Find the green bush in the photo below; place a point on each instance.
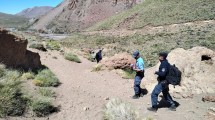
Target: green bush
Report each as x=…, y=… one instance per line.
x=46, y=92
x=42, y=107
x=72, y=57
x=45, y=78
x=53, y=45
x=27, y=76
x=128, y=73
x=12, y=102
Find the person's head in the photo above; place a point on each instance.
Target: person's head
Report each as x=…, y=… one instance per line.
x=163, y=56
x=136, y=54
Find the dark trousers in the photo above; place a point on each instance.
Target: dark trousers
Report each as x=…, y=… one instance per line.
x=137, y=81
x=98, y=59
x=164, y=88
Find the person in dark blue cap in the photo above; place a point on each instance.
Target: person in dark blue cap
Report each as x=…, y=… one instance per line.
x=139, y=68
x=163, y=85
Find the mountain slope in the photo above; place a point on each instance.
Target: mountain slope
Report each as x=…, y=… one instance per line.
x=35, y=12
x=160, y=12
x=7, y=20
x=72, y=15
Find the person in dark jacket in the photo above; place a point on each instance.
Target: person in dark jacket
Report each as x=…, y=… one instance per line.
x=163, y=85
x=99, y=56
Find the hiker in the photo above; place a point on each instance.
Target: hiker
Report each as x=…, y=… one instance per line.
x=139, y=68
x=99, y=56
x=163, y=84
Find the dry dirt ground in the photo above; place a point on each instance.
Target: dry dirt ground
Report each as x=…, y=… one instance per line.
x=82, y=94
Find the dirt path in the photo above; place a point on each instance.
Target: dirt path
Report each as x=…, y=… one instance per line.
x=82, y=89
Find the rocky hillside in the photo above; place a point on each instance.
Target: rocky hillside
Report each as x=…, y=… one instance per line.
x=73, y=15
x=7, y=20
x=159, y=13
x=35, y=12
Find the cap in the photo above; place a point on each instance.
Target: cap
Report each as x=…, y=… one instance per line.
x=135, y=54
x=163, y=54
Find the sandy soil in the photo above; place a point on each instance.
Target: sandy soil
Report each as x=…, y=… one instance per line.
x=82, y=89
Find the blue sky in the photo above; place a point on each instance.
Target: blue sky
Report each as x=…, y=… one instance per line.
x=15, y=6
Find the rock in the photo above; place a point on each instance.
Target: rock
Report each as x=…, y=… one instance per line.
x=107, y=98
x=176, y=96
x=197, y=66
x=86, y=108
x=14, y=53
x=118, y=61
x=212, y=109
x=188, y=95
x=208, y=98
x=211, y=113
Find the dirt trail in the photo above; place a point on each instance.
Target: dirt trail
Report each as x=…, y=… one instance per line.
x=82, y=89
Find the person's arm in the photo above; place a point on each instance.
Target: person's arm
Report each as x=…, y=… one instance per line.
x=162, y=70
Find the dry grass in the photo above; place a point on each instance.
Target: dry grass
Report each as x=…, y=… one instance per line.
x=72, y=57
x=116, y=109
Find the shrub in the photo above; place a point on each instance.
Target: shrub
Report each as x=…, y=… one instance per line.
x=36, y=45
x=12, y=101
x=37, y=82
x=72, y=57
x=27, y=76
x=45, y=78
x=46, y=92
x=12, y=75
x=116, y=109
x=97, y=67
x=128, y=73
x=42, y=107
x=53, y=45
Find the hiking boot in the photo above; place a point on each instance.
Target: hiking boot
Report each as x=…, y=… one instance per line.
x=153, y=109
x=172, y=108
x=141, y=95
x=136, y=97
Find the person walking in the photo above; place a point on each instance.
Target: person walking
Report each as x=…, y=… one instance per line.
x=99, y=56
x=163, y=85
x=139, y=68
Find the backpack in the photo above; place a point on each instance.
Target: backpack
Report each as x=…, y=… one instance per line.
x=174, y=75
